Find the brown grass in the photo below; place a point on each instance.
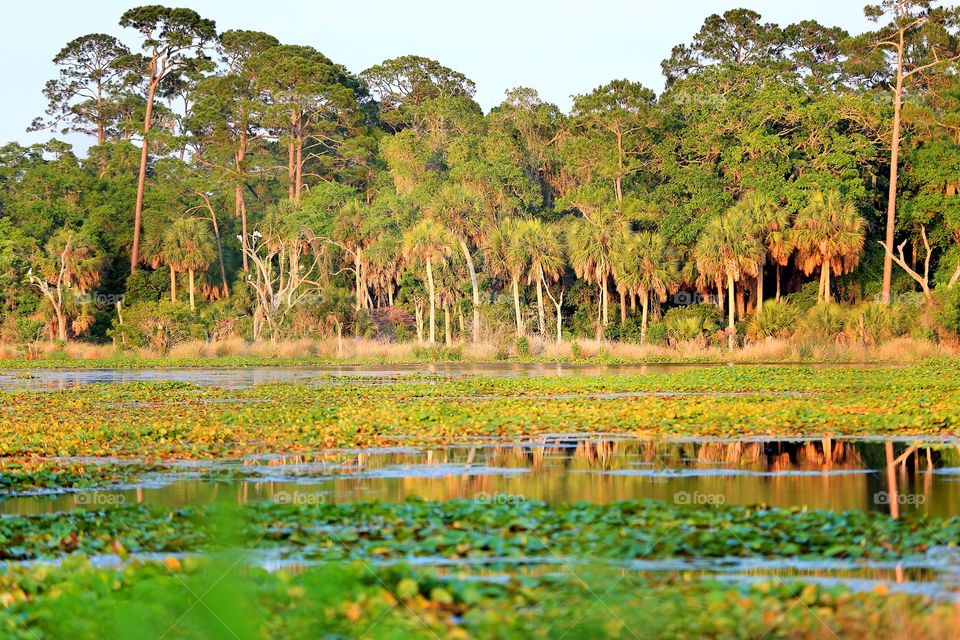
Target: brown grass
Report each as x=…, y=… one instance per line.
x=903, y=349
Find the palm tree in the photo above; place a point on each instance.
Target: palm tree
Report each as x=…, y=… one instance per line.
x=154, y=254
x=623, y=268
x=187, y=247
x=506, y=257
x=352, y=234
x=591, y=244
x=727, y=246
x=459, y=209
x=828, y=233
x=428, y=242
x=646, y=266
x=540, y=243
x=448, y=292
x=771, y=225
x=384, y=264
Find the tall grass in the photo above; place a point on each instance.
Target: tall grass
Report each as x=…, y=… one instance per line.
x=820, y=335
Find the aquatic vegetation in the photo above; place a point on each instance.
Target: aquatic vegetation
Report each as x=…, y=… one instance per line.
x=163, y=420
x=31, y=475
x=618, y=531
x=82, y=601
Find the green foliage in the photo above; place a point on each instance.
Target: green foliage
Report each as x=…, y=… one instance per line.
x=657, y=333
x=762, y=150
x=947, y=311
x=777, y=319
x=692, y=322
x=873, y=322
x=158, y=325
x=823, y=321
x=523, y=347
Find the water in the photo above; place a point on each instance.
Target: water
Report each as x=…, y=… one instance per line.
x=834, y=474
x=837, y=474
x=235, y=378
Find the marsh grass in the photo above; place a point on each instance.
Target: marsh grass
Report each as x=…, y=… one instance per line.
x=807, y=346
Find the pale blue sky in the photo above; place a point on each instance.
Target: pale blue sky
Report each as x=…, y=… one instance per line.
x=558, y=47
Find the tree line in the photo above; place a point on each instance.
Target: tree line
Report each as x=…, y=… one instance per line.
x=270, y=190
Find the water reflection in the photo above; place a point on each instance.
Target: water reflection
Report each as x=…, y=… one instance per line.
x=837, y=474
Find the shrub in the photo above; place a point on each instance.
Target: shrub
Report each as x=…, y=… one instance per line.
x=873, y=322
x=576, y=350
x=523, y=346
x=627, y=332
x=823, y=321
x=947, y=312
x=438, y=353
x=657, y=333
x=806, y=298
x=28, y=329
x=692, y=322
x=158, y=325
x=777, y=319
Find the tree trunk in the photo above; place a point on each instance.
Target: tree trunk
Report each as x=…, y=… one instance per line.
x=954, y=277
x=475, y=285
x=825, y=276
x=433, y=303
x=623, y=308
x=291, y=171
x=447, y=336
x=892, y=195
x=418, y=313
x=299, y=171
x=61, y=323
x=618, y=182
x=606, y=296
x=173, y=285
x=559, y=306
x=599, y=335
x=357, y=278
x=760, y=289
x=541, y=312
x=193, y=305
x=516, y=304
x=778, y=282
x=240, y=209
x=223, y=268
x=720, y=295
x=644, y=304
x=731, y=318
x=142, y=178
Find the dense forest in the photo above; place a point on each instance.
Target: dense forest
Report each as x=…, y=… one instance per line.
x=787, y=176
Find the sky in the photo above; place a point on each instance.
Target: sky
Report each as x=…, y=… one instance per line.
x=559, y=47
